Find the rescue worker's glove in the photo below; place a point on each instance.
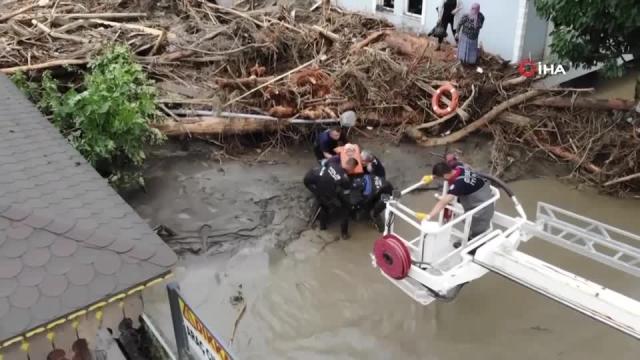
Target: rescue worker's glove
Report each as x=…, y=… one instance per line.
x=422, y=216
x=427, y=179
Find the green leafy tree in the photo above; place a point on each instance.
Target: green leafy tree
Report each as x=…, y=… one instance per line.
x=108, y=119
x=595, y=31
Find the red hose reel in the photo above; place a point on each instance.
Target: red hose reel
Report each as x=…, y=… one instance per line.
x=392, y=256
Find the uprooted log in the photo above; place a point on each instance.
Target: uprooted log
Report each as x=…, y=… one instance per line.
x=212, y=125
x=587, y=103
x=484, y=120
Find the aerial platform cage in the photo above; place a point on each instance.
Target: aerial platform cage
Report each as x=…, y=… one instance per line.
x=437, y=259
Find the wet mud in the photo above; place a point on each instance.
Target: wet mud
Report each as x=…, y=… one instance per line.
x=308, y=295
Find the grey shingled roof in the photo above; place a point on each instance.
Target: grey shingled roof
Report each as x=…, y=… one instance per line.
x=67, y=239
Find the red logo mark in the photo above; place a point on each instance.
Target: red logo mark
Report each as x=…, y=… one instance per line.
x=528, y=68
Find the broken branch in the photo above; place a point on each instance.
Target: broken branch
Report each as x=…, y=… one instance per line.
x=54, y=34
x=148, y=30
x=45, y=65
x=17, y=12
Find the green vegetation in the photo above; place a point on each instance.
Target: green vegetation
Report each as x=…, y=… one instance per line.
x=597, y=31
x=108, y=119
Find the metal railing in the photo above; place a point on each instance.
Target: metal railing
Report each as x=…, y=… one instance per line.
x=417, y=244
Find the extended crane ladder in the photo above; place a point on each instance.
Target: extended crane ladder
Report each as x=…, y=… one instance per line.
x=611, y=246
x=589, y=298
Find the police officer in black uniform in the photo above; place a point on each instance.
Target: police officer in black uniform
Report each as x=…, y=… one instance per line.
x=332, y=188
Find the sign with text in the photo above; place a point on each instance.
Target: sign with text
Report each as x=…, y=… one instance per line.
x=204, y=345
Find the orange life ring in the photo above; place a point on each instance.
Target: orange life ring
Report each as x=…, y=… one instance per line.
x=350, y=151
x=435, y=101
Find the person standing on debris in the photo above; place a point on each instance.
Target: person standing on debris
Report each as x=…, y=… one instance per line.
x=468, y=32
x=326, y=142
x=331, y=186
x=470, y=189
x=446, y=15
x=372, y=165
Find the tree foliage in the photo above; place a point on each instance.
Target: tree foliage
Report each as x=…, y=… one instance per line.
x=595, y=31
x=107, y=119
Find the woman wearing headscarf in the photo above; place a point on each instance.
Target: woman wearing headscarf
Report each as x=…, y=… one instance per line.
x=468, y=32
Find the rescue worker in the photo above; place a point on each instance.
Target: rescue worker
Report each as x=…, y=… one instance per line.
x=452, y=160
x=371, y=190
x=470, y=189
x=332, y=188
x=326, y=142
x=372, y=165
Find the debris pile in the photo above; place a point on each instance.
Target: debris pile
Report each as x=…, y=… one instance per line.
x=263, y=67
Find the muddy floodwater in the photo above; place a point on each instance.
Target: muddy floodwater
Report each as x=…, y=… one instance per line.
x=311, y=296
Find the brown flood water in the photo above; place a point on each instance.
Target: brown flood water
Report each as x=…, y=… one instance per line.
x=321, y=299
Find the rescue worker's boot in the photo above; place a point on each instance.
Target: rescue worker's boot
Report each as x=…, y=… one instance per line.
x=378, y=221
x=323, y=217
x=344, y=228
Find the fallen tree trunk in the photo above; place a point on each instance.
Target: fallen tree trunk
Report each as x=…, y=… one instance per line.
x=212, y=125
x=587, y=103
x=484, y=120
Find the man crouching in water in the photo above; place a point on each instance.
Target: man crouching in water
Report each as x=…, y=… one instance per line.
x=331, y=186
x=472, y=191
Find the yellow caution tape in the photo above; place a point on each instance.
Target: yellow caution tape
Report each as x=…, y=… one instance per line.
x=99, y=314
x=25, y=346
x=50, y=336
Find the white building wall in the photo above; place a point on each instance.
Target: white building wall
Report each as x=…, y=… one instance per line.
x=498, y=35
x=535, y=36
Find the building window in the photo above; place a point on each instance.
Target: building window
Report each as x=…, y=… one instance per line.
x=385, y=5
x=414, y=7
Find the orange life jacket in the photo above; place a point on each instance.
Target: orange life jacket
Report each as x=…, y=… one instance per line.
x=350, y=151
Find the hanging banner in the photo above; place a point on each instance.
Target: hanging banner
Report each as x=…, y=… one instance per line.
x=204, y=345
